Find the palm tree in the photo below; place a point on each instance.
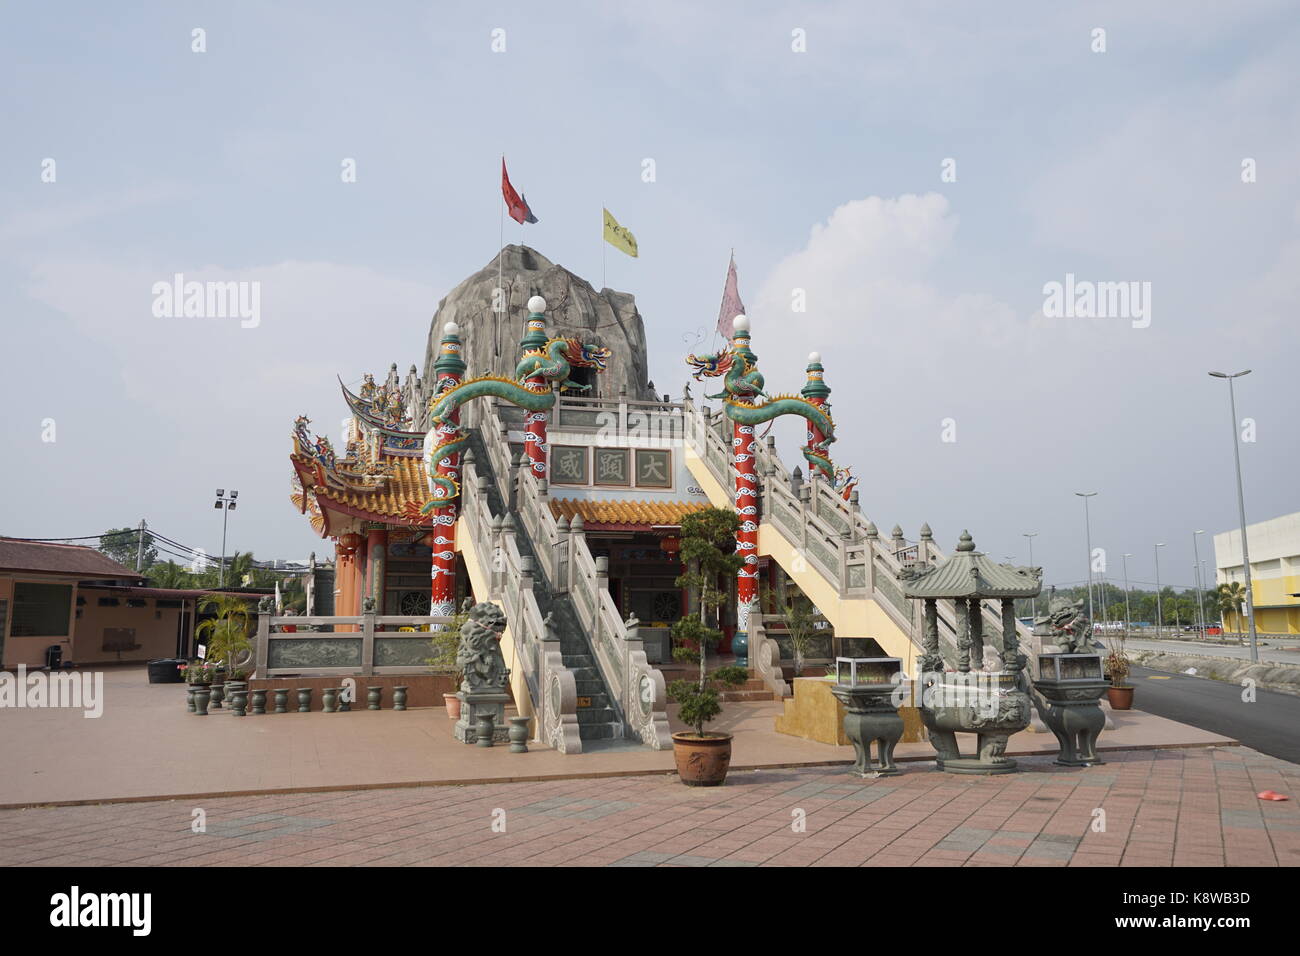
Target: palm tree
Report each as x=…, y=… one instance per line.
x=226, y=635
x=1231, y=597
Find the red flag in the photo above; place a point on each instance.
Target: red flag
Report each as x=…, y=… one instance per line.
x=731, y=304
x=516, y=205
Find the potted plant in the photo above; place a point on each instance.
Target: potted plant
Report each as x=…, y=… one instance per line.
x=800, y=619
x=706, y=548
x=1120, y=692
x=445, y=644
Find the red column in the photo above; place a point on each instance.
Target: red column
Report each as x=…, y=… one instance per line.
x=442, y=594
x=535, y=423
x=742, y=442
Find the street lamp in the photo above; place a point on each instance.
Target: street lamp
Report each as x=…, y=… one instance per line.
x=1160, y=614
x=226, y=502
x=1128, y=613
x=1087, y=521
x=1241, y=512
x=1033, y=601
x=1200, y=604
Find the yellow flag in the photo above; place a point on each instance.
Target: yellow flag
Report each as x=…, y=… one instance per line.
x=618, y=236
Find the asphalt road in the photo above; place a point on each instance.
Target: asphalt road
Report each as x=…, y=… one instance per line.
x=1271, y=724
x=1276, y=652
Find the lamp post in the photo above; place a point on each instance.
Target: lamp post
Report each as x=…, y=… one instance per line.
x=1241, y=512
x=1128, y=611
x=1200, y=604
x=1160, y=614
x=1033, y=601
x=1087, y=522
x=226, y=502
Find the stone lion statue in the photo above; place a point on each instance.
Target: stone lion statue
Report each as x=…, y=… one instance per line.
x=479, y=654
x=1066, y=624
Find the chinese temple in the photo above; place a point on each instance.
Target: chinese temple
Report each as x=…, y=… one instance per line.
x=534, y=465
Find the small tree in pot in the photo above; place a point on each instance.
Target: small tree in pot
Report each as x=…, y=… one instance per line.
x=445, y=643
x=1118, y=665
x=707, y=550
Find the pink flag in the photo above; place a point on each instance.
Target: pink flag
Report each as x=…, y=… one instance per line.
x=731, y=304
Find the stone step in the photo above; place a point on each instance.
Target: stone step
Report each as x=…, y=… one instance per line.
x=608, y=731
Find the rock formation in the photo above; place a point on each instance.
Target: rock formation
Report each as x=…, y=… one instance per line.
x=573, y=307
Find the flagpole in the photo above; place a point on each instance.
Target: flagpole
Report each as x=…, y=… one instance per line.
x=603, y=244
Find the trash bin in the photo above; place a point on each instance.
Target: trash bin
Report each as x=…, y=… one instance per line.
x=165, y=670
x=54, y=656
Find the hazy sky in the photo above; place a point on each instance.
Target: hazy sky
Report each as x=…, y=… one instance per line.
x=822, y=168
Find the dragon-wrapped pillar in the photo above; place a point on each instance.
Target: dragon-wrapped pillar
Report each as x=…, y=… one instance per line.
x=742, y=443
x=535, y=340
x=450, y=368
x=817, y=392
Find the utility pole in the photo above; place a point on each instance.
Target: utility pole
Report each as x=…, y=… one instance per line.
x=1200, y=582
x=1241, y=513
x=139, y=546
x=1087, y=521
x=227, y=504
x=1160, y=614
x=1128, y=611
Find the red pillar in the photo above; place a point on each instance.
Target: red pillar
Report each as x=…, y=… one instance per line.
x=450, y=367
x=742, y=451
x=535, y=423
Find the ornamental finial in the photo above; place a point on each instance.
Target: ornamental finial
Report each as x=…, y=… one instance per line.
x=536, y=305
x=740, y=323
x=925, y=531
x=451, y=328
x=965, y=542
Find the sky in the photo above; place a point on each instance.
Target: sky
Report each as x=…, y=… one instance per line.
x=900, y=183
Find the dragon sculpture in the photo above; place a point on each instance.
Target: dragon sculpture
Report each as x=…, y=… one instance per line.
x=551, y=363
x=742, y=383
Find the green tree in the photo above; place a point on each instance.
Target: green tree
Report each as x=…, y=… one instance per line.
x=226, y=634
x=121, y=545
x=169, y=574
x=800, y=619
x=707, y=550
x=1230, y=598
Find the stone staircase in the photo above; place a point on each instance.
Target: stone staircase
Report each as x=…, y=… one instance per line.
x=598, y=719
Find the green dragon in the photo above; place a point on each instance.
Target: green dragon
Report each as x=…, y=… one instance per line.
x=742, y=382
x=552, y=363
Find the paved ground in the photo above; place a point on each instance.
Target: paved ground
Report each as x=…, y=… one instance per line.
x=1278, y=651
x=1270, y=724
x=146, y=746
x=1190, y=807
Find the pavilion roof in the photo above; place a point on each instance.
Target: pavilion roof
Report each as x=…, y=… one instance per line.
x=968, y=573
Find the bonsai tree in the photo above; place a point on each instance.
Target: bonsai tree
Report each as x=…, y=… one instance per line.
x=800, y=619
x=707, y=550
x=225, y=635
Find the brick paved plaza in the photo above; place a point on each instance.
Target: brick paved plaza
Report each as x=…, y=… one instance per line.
x=1183, y=807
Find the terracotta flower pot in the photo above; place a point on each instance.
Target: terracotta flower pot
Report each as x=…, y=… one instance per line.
x=1121, y=698
x=702, y=761
x=453, y=705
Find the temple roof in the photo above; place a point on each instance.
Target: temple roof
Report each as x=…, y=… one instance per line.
x=610, y=514
x=968, y=573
